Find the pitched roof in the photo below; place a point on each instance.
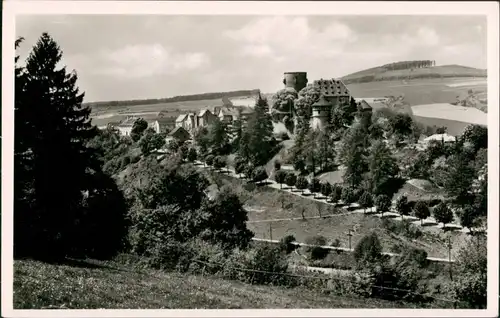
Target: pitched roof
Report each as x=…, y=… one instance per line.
x=364, y=104
x=332, y=87
x=229, y=111
x=203, y=111
x=322, y=102
x=128, y=122
x=181, y=118
x=445, y=137
x=175, y=130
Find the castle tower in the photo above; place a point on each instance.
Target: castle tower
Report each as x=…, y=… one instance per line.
x=320, y=114
x=295, y=80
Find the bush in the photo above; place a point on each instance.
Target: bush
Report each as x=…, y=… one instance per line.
x=348, y=195
x=326, y=189
x=316, y=252
x=290, y=179
x=301, y=183
x=470, y=287
x=283, y=136
x=248, y=171
x=366, y=200
x=209, y=160
x=336, y=193
x=277, y=165
x=280, y=177
x=314, y=186
x=421, y=211
x=206, y=252
x=383, y=203
x=404, y=227
x=368, y=250
x=402, y=205
x=442, y=213
x=239, y=165
x=125, y=162
x=259, y=174
x=192, y=155
x=299, y=165
x=266, y=258
x=219, y=162
x=286, y=245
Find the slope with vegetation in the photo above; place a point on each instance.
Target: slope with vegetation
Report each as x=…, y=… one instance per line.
x=411, y=70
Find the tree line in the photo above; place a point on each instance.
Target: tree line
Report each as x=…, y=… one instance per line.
x=405, y=65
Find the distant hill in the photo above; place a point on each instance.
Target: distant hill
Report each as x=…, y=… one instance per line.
x=181, y=98
x=405, y=70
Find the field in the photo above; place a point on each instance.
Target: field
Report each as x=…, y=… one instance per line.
x=380, y=74
x=265, y=203
x=104, y=115
x=420, y=91
x=336, y=228
x=111, y=285
x=451, y=112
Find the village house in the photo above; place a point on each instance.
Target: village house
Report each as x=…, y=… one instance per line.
x=158, y=125
x=178, y=133
x=205, y=118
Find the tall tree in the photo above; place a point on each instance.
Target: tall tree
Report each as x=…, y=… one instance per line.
x=218, y=138
x=257, y=136
x=138, y=128
x=353, y=156
x=458, y=179
x=237, y=131
x=51, y=216
x=383, y=167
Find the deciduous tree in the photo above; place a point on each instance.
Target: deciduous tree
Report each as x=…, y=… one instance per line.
x=383, y=203
x=442, y=213
x=366, y=200
x=280, y=177
x=301, y=183
x=138, y=128
x=421, y=211
x=402, y=206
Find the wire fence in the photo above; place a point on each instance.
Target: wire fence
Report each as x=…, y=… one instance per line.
x=326, y=277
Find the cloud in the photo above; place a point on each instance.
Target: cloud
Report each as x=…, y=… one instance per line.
x=281, y=37
x=137, y=61
x=427, y=36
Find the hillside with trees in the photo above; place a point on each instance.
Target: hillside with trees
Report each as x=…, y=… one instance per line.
x=406, y=70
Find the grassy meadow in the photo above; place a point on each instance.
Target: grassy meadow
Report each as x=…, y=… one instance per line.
x=113, y=285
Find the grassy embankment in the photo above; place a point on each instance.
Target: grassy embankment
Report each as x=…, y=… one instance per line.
x=112, y=285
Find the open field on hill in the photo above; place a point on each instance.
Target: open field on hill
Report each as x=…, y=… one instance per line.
x=109, y=285
x=337, y=227
x=381, y=74
x=265, y=203
x=451, y=112
x=416, y=92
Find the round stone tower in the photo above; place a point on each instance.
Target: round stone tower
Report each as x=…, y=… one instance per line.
x=295, y=80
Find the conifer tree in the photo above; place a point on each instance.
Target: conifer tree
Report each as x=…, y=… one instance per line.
x=62, y=182
x=256, y=140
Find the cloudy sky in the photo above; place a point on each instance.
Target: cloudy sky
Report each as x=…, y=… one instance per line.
x=132, y=57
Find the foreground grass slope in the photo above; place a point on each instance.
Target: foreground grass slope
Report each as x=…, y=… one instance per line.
x=115, y=286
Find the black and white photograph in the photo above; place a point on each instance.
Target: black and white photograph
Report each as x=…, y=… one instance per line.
x=195, y=156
